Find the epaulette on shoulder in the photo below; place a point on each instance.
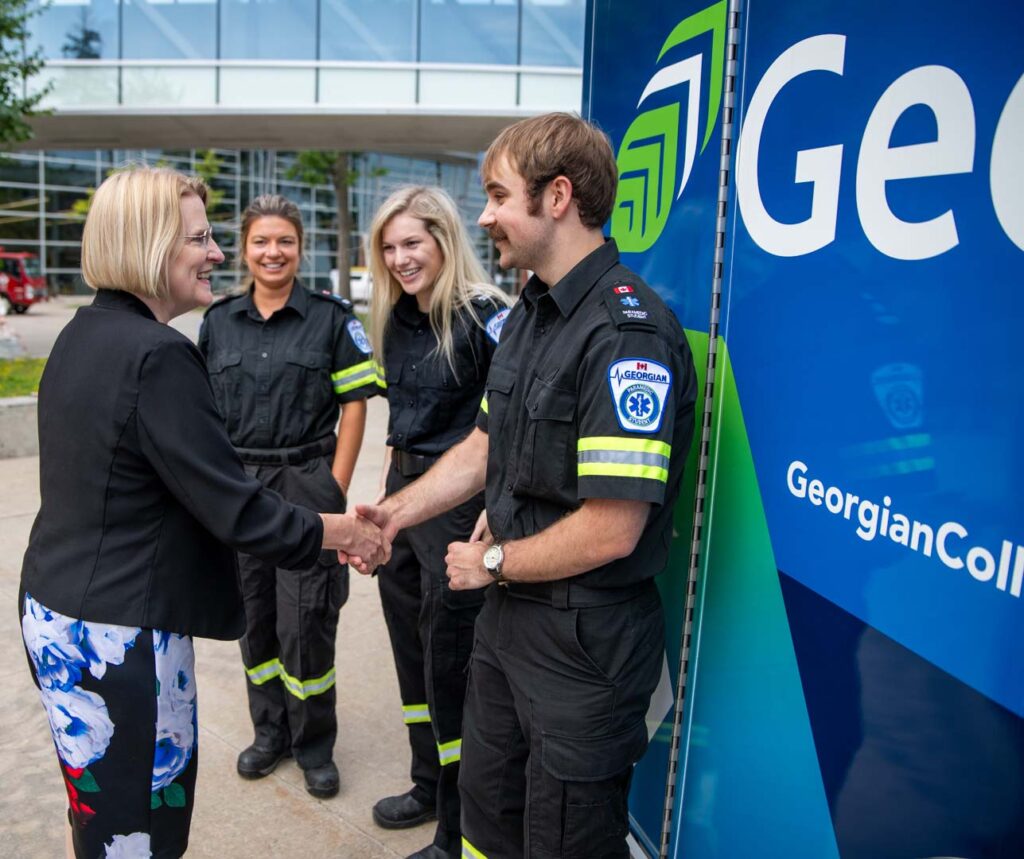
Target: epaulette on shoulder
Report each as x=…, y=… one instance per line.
x=627, y=303
x=223, y=299
x=327, y=295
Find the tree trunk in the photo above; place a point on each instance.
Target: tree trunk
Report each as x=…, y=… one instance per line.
x=340, y=175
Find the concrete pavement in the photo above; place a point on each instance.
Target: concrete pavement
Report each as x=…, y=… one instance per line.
x=234, y=819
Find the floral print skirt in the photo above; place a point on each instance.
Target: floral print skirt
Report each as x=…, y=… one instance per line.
x=121, y=702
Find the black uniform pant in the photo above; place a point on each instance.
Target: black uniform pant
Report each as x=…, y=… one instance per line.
x=431, y=630
x=554, y=723
x=291, y=619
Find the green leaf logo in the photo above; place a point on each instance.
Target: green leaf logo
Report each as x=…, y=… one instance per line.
x=648, y=154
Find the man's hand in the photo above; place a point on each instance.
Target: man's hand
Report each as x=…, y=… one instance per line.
x=466, y=569
x=380, y=519
x=481, y=531
x=358, y=540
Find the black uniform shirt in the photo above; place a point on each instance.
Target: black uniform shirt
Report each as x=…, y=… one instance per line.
x=142, y=493
x=431, y=406
x=278, y=381
x=590, y=395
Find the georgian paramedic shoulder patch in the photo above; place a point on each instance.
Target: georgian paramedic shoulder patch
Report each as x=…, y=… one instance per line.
x=496, y=323
x=639, y=389
x=358, y=335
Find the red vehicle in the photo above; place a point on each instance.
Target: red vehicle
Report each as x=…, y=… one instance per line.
x=21, y=281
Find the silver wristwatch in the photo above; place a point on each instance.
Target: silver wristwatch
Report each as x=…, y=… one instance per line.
x=494, y=557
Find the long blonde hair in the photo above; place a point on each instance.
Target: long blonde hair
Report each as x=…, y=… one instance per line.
x=460, y=280
x=133, y=227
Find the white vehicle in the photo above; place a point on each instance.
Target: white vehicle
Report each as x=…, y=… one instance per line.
x=359, y=282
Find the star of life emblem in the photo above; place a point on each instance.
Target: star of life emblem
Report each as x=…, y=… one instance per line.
x=639, y=390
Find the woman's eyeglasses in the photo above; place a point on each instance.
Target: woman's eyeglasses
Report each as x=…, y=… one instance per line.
x=202, y=240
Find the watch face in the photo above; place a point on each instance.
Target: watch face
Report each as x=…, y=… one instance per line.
x=493, y=557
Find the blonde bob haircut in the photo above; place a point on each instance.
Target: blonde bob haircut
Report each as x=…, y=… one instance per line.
x=133, y=227
x=460, y=280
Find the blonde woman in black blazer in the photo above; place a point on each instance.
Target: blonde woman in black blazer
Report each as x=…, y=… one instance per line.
x=143, y=503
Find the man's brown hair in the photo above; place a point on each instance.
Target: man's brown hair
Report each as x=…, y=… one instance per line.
x=560, y=144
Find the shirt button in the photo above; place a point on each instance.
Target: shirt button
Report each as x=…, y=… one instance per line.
x=411, y=403
x=413, y=367
x=508, y=487
x=263, y=355
x=419, y=331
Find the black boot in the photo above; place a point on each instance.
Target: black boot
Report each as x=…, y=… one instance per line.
x=257, y=761
x=402, y=811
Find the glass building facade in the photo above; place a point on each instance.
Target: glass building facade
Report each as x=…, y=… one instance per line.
x=274, y=58
x=43, y=197
x=500, y=32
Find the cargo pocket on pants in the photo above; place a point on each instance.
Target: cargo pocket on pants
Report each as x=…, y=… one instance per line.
x=595, y=773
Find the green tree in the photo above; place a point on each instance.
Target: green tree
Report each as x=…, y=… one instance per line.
x=207, y=168
x=17, y=65
x=336, y=169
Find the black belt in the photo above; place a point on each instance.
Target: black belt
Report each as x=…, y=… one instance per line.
x=288, y=455
x=411, y=464
x=566, y=593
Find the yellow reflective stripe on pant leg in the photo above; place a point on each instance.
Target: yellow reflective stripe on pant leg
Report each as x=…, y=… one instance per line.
x=449, y=753
x=415, y=714
x=469, y=851
x=303, y=689
x=265, y=671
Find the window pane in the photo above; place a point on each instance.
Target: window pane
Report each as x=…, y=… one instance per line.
x=268, y=29
x=77, y=30
x=379, y=30
x=14, y=225
x=553, y=32
x=170, y=29
x=469, y=31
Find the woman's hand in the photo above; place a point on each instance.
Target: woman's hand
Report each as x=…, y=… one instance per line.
x=358, y=540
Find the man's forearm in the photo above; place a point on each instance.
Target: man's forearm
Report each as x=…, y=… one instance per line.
x=456, y=477
x=601, y=531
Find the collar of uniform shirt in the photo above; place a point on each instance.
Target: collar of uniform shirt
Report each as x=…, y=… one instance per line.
x=297, y=301
x=408, y=311
x=583, y=276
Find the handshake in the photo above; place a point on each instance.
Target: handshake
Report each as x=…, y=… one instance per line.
x=362, y=539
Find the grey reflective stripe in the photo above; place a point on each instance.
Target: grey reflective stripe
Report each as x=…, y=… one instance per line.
x=626, y=457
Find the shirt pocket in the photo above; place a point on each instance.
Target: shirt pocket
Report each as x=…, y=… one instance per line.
x=500, y=383
x=225, y=369
x=548, y=453
x=307, y=381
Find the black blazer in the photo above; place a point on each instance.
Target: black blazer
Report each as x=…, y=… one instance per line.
x=143, y=497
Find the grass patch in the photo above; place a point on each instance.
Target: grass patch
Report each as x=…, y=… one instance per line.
x=19, y=377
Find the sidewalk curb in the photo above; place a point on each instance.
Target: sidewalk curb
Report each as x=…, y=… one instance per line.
x=18, y=435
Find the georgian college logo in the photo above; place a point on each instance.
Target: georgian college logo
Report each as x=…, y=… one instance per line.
x=648, y=156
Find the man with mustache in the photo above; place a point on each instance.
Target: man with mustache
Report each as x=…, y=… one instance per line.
x=579, y=443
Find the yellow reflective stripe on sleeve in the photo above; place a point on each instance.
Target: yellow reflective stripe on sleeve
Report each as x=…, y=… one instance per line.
x=483, y=404
x=449, y=753
x=354, y=377
x=611, y=456
x=260, y=674
x=380, y=374
x=415, y=714
x=469, y=851
x=303, y=689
